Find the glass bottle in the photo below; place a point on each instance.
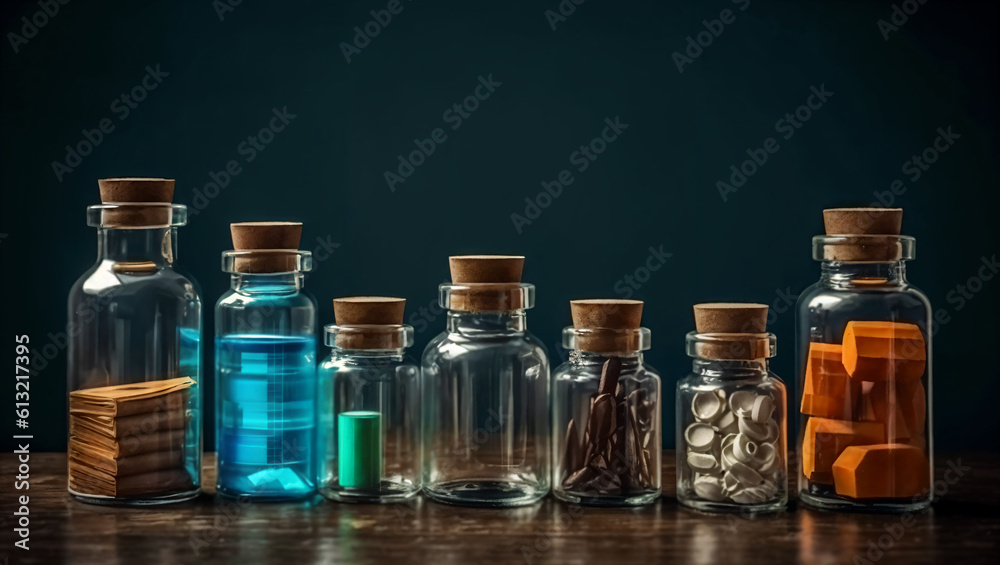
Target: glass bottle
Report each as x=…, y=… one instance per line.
x=369, y=404
x=606, y=409
x=485, y=391
x=864, y=362
x=265, y=352
x=731, y=414
x=134, y=355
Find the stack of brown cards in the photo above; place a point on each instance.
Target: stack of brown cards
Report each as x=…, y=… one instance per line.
x=128, y=440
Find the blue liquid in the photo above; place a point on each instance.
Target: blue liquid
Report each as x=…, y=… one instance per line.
x=266, y=388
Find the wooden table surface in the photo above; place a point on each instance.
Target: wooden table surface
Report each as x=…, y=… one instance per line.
x=962, y=527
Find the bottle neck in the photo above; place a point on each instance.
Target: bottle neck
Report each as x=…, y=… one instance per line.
x=629, y=359
x=145, y=245
x=863, y=275
x=727, y=369
x=269, y=283
x=486, y=324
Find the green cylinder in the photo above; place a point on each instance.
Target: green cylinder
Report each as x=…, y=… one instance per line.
x=359, y=449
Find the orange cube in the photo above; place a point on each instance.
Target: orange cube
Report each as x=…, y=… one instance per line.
x=901, y=407
x=882, y=351
x=824, y=440
x=888, y=470
x=828, y=390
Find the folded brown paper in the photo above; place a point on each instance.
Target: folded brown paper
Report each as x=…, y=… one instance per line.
x=86, y=480
x=130, y=399
x=103, y=460
x=121, y=428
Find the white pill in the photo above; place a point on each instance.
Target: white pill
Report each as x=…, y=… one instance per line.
x=769, y=488
x=721, y=393
x=699, y=437
x=706, y=406
x=750, y=495
x=701, y=461
x=764, y=457
x=745, y=475
x=728, y=440
x=763, y=406
x=726, y=424
x=741, y=402
x=727, y=459
x=772, y=431
x=755, y=431
x=709, y=488
x=730, y=481
x=744, y=449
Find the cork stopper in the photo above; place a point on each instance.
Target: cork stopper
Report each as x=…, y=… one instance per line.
x=368, y=310
x=858, y=221
x=609, y=325
x=730, y=317
x=486, y=283
x=136, y=190
x=369, y=322
x=249, y=236
x=486, y=268
x=865, y=224
x=733, y=330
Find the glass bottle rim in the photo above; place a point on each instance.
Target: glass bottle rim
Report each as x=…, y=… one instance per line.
x=402, y=334
x=303, y=260
x=175, y=215
x=893, y=247
x=637, y=339
x=521, y=293
x=708, y=346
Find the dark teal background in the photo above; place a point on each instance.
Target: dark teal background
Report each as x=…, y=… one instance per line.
x=654, y=186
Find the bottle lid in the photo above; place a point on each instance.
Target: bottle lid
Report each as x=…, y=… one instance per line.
x=730, y=317
x=863, y=235
x=134, y=202
x=278, y=241
x=607, y=325
x=731, y=331
x=380, y=310
x=486, y=283
x=369, y=322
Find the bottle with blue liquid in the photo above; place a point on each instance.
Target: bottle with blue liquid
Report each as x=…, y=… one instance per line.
x=266, y=366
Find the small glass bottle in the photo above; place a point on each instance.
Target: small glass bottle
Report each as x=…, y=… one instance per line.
x=864, y=362
x=134, y=355
x=486, y=391
x=606, y=409
x=369, y=404
x=731, y=414
x=265, y=355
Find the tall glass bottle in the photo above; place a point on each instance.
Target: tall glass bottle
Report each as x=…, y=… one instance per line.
x=731, y=414
x=369, y=403
x=606, y=409
x=265, y=351
x=134, y=355
x=485, y=390
x=864, y=362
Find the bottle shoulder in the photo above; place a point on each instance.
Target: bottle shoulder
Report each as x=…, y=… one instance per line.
x=451, y=345
x=103, y=280
x=233, y=298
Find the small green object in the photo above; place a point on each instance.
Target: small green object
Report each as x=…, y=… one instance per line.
x=359, y=449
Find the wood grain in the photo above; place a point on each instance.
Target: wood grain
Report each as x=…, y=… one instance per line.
x=962, y=527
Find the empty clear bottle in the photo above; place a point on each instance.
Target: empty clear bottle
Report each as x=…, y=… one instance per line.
x=369, y=429
x=606, y=409
x=265, y=350
x=485, y=390
x=731, y=414
x=134, y=355
x=864, y=362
